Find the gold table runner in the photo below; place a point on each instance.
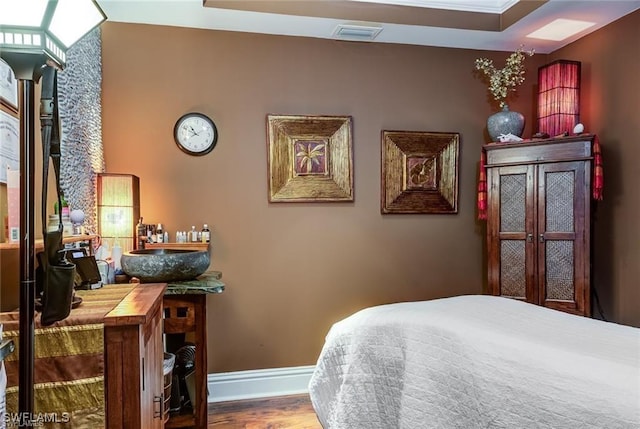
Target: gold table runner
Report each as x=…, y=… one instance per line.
x=69, y=362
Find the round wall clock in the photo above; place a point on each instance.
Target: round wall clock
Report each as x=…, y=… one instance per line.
x=195, y=134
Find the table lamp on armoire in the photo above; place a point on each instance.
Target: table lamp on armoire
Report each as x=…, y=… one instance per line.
x=558, y=97
x=34, y=34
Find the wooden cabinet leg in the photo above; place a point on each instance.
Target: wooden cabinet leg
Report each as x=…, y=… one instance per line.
x=201, y=361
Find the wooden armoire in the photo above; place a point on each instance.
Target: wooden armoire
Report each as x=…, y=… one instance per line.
x=539, y=221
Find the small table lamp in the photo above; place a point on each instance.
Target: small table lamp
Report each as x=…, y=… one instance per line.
x=118, y=208
x=558, y=97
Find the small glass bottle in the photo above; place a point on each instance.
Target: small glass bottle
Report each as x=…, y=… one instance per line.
x=205, y=234
x=142, y=234
x=151, y=233
x=159, y=233
x=193, y=235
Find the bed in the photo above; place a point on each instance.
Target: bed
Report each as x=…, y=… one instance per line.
x=476, y=361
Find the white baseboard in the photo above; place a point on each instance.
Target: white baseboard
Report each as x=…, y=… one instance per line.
x=258, y=383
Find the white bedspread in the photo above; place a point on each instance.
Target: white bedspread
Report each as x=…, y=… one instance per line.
x=477, y=362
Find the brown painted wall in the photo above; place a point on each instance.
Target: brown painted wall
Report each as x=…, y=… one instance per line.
x=609, y=107
x=292, y=270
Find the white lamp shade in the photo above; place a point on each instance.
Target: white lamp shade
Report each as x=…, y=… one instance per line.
x=72, y=19
x=33, y=31
x=25, y=13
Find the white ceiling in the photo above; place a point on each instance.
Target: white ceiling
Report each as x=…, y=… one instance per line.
x=192, y=13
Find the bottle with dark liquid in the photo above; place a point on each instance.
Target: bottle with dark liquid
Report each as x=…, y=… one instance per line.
x=159, y=233
x=205, y=234
x=141, y=230
x=151, y=233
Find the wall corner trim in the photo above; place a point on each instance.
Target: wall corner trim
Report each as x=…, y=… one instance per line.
x=258, y=383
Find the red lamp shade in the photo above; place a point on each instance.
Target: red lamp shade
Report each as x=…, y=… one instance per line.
x=558, y=97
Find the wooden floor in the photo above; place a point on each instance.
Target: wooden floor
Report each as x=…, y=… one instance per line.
x=284, y=412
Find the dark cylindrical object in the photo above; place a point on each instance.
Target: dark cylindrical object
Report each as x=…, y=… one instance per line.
x=26, y=360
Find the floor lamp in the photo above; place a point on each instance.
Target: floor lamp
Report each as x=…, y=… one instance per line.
x=34, y=34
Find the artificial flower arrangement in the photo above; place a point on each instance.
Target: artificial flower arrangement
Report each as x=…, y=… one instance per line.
x=504, y=81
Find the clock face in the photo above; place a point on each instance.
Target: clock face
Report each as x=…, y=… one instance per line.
x=195, y=134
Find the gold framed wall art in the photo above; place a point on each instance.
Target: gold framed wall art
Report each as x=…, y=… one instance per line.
x=310, y=158
x=419, y=172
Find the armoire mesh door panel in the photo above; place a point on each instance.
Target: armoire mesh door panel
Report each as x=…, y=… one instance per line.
x=513, y=280
x=559, y=201
x=559, y=270
x=513, y=193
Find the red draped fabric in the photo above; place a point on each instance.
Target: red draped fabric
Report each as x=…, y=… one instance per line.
x=482, y=187
x=598, y=177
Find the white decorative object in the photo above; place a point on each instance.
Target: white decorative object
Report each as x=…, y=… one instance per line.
x=77, y=218
x=578, y=129
x=509, y=138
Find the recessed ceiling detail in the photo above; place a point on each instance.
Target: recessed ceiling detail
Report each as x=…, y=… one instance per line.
x=401, y=12
x=485, y=6
x=496, y=25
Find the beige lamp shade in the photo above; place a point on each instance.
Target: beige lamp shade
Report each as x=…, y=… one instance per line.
x=118, y=208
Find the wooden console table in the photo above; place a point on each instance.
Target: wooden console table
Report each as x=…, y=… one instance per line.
x=185, y=312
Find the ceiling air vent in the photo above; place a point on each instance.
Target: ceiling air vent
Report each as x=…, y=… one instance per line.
x=357, y=32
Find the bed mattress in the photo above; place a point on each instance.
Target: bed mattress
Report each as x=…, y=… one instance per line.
x=476, y=362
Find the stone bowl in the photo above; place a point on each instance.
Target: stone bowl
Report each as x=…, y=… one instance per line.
x=164, y=265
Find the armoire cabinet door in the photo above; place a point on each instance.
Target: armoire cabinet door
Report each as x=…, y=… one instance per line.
x=562, y=217
x=538, y=221
x=511, y=244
